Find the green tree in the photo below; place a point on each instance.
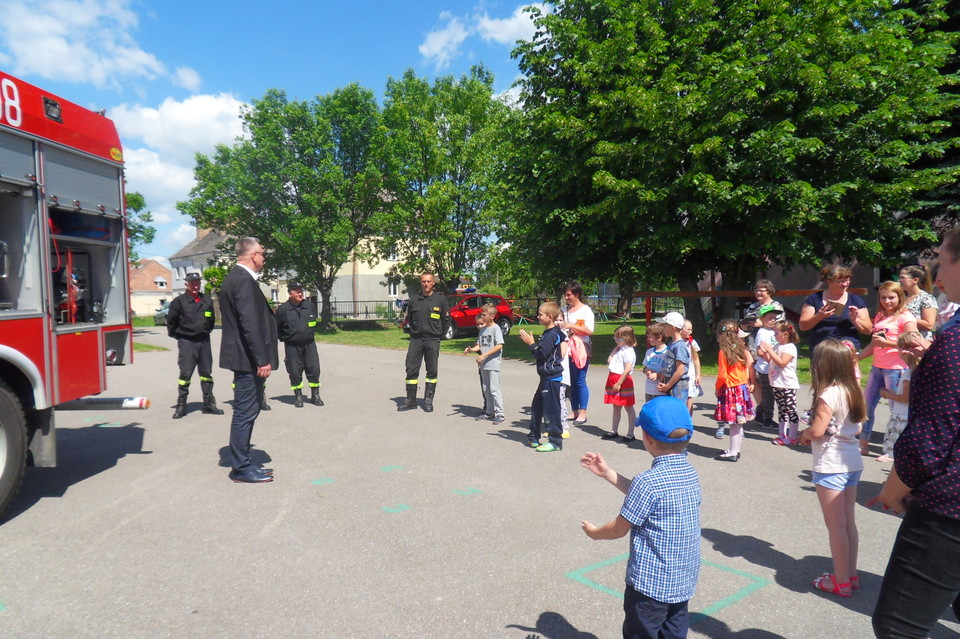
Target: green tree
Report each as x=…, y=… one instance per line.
x=306, y=179
x=444, y=144
x=139, y=230
x=213, y=276
x=681, y=137
x=942, y=205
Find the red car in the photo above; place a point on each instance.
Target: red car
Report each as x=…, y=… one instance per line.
x=464, y=309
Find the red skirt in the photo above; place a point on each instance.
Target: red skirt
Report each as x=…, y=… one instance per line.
x=734, y=405
x=622, y=398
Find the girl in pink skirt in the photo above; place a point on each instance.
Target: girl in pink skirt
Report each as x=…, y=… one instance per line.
x=735, y=379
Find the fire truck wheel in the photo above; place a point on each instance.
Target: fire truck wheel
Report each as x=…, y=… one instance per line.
x=13, y=445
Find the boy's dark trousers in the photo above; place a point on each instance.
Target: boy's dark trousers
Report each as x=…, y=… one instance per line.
x=646, y=618
x=546, y=403
x=765, y=409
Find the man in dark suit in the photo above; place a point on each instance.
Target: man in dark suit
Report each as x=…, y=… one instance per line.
x=248, y=347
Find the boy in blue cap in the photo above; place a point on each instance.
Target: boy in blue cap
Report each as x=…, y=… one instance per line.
x=662, y=515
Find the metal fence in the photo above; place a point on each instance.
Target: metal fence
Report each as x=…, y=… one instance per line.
x=392, y=311
x=604, y=307
x=387, y=311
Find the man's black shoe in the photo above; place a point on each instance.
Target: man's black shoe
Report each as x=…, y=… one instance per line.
x=252, y=476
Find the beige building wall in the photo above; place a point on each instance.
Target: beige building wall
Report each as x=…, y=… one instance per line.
x=150, y=286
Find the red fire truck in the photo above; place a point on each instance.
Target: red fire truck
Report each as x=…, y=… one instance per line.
x=64, y=294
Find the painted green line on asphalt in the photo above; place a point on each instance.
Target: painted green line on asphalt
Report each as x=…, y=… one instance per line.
x=322, y=481
x=466, y=491
x=111, y=425
x=756, y=583
x=399, y=508
x=579, y=575
x=390, y=469
x=2, y=608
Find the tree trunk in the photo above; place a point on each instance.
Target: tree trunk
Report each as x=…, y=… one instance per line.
x=740, y=277
x=693, y=310
x=625, y=301
x=326, y=310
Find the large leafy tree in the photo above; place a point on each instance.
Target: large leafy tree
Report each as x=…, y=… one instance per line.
x=942, y=205
x=679, y=137
x=306, y=179
x=139, y=229
x=444, y=142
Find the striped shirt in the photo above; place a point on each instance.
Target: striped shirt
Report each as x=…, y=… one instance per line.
x=663, y=508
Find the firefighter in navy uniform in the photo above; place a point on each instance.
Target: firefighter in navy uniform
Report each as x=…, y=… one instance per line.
x=428, y=317
x=189, y=321
x=296, y=325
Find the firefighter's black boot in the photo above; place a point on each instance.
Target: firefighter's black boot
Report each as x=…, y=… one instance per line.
x=297, y=398
x=209, y=401
x=411, y=400
x=263, y=402
x=315, y=396
x=181, y=408
x=210, y=405
x=431, y=389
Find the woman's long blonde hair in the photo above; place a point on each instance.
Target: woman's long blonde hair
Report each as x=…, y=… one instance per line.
x=832, y=364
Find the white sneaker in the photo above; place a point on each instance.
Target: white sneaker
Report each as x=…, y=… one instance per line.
x=721, y=433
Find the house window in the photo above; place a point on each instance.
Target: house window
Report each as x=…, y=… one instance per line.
x=161, y=283
x=392, y=255
x=393, y=289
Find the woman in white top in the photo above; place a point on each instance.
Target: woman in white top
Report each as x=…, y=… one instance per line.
x=578, y=320
x=915, y=282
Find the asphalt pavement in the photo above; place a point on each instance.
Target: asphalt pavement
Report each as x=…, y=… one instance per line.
x=397, y=524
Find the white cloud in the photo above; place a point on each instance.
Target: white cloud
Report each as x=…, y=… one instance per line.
x=510, y=97
x=84, y=41
x=187, y=78
x=183, y=234
x=178, y=129
x=160, y=145
x=518, y=26
x=161, y=182
x=442, y=46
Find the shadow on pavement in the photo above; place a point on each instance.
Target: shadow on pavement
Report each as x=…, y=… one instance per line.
x=718, y=630
x=81, y=454
x=519, y=436
x=553, y=625
x=791, y=573
x=258, y=456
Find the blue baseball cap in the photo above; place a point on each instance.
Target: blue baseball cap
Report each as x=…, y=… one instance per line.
x=664, y=414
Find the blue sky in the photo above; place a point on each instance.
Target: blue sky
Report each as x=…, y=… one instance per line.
x=173, y=74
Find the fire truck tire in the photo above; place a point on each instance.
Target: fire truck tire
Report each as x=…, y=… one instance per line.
x=13, y=446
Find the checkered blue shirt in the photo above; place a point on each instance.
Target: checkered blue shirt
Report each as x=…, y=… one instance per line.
x=663, y=508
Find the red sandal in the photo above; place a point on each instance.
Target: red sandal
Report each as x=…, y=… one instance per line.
x=855, y=583
x=828, y=583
